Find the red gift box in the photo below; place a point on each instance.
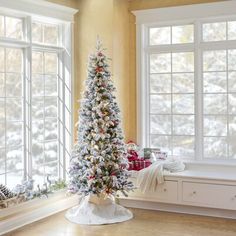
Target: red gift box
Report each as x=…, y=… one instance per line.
x=139, y=164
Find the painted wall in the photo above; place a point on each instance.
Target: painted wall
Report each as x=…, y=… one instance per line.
x=114, y=22
x=144, y=4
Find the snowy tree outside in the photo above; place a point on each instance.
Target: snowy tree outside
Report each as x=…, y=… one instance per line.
x=44, y=104
x=172, y=96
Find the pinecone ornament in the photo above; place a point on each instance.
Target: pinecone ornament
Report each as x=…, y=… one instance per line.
x=5, y=193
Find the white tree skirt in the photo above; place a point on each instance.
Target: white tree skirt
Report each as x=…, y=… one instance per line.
x=97, y=211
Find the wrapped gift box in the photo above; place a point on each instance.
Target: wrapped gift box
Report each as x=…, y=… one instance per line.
x=139, y=164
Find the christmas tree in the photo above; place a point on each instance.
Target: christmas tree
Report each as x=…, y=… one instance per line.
x=99, y=159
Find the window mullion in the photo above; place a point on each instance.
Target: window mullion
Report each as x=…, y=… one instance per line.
x=198, y=92
x=28, y=97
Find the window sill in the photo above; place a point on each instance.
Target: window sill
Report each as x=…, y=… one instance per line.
x=28, y=212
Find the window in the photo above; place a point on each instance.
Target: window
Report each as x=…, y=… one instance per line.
x=188, y=86
x=35, y=114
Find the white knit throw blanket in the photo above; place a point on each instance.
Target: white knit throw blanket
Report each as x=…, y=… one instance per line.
x=149, y=178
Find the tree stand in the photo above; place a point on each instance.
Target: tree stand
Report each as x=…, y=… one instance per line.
x=94, y=210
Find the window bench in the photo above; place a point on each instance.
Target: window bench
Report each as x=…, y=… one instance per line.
x=200, y=189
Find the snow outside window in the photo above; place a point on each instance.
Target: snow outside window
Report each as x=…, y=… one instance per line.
x=190, y=80
x=35, y=114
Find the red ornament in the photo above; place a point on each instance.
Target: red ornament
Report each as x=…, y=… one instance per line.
x=91, y=177
x=100, y=54
x=99, y=69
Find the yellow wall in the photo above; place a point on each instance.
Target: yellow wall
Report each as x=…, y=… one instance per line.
x=113, y=21
x=148, y=4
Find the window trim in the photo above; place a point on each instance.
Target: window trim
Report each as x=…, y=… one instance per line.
x=191, y=14
x=39, y=8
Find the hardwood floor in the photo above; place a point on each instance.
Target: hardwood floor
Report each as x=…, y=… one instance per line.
x=145, y=223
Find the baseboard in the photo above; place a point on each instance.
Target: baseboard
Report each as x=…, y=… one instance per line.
x=193, y=210
x=14, y=222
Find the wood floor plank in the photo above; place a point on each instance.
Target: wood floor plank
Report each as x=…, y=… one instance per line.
x=145, y=223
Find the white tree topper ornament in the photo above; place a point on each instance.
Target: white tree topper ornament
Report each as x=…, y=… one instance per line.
x=98, y=167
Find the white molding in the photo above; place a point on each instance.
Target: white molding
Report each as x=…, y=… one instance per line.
x=39, y=8
x=187, y=12
x=30, y=216
x=204, y=211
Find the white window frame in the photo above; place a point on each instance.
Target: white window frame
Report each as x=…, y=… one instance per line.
x=41, y=10
x=182, y=15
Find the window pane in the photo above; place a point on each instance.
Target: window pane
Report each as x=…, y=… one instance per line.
x=2, y=178
x=2, y=85
x=160, y=83
x=160, y=124
x=50, y=152
x=52, y=169
x=232, y=137
x=14, y=134
x=214, y=60
x=2, y=161
x=37, y=152
x=215, y=104
x=214, y=31
x=232, y=30
x=1, y=26
x=182, y=34
x=50, y=63
x=14, y=178
x=160, y=63
x=2, y=110
x=50, y=34
x=232, y=81
x=38, y=175
x=50, y=128
x=160, y=104
x=231, y=59
x=2, y=134
x=232, y=127
x=215, y=125
x=37, y=108
x=37, y=85
x=183, y=62
x=15, y=159
x=183, y=146
x=13, y=60
x=183, y=104
x=215, y=147
x=183, y=125
x=162, y=142
x=159, y=35
x=13, y=85
x=2, y=60
x=50, y=104
x=183, y=83
x=215, y=82
x=14, y=109
x=37, y=62
x=14, y=28
x=232, y=103
x=38, y=130
x=37, y=32
x=50, y=85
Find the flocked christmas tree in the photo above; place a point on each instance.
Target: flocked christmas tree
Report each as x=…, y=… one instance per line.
x=99, y=160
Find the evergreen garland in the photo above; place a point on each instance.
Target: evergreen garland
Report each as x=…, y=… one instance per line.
x=5, y=193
